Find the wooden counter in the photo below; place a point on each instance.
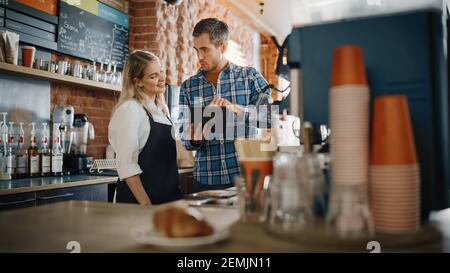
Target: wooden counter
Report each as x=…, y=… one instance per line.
x=106, y=227
x=16, y=186
x=24, y=185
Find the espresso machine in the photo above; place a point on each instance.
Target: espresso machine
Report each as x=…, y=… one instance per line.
x=77, y=161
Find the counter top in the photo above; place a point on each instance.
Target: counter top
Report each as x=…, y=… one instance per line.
x=106, y=227
x=54, y=182
x=57, y=182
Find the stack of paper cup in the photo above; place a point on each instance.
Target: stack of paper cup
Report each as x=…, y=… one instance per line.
x=349, y=118
x=349, y=213
x=394, y=190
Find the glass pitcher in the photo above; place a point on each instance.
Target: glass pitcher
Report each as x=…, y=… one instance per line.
x=291, y=196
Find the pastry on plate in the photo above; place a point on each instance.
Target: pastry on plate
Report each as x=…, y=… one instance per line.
x=179, y=222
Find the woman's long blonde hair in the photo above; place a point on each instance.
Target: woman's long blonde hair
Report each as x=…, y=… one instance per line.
x=134, y=68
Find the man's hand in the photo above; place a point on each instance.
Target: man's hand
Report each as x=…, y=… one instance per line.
x=218, y=101
x=234, y=108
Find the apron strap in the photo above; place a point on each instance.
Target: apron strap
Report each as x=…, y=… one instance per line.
x=150, y=116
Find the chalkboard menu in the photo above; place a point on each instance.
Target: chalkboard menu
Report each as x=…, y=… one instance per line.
x=88, y=36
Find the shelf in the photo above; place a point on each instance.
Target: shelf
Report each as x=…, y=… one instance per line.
x=54, y=77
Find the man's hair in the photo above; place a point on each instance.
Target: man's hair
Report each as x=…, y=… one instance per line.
x=217, y=30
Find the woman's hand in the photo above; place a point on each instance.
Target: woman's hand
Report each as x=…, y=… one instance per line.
x=136, y=187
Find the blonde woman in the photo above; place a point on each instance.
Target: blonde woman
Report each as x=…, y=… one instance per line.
x=140, y=132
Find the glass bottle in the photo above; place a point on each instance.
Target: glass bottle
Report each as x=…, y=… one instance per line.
x=33, y=154
x=101, y=73
x=114, y=73
x=44, y=154
x=21, y=155
x=11, y=151
x=118, y=76
x=2, y=159
x=1, y=140
x=108, y=73
x=5, y=156
x=57, y=152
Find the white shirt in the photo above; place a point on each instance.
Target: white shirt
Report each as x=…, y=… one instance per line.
x=128, y=132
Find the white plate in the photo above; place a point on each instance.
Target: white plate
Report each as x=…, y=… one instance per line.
x=216, y=193
x=145, y=234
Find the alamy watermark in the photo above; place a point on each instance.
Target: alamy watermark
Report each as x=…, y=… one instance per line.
x=74, y=247
x=374, y=246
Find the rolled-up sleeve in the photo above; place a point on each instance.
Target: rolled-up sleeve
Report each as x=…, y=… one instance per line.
x=123, y=134
x=258, y=87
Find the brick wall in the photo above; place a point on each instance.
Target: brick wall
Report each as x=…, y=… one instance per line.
x=166, y=30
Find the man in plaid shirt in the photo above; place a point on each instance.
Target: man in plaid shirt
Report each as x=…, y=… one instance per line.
x=218, y=83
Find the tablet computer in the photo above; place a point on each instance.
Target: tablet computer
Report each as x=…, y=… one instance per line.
x=218, y=118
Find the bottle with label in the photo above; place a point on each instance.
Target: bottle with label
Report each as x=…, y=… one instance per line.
x=33, y=154
x=21, y=155
x=3, y=173
x=57, y=154
x=1, y=140
x=44, y=153
x=2, y=159
x=12, y=151
x=5, y=156
x=108, y=73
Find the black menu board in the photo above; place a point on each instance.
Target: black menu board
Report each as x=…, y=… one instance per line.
x=87, y=36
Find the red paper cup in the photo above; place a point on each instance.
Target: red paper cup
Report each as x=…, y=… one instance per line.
x=392, y=136
x=348, y=66
x=28, y=53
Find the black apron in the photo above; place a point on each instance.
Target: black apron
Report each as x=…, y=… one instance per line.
x=158, y=161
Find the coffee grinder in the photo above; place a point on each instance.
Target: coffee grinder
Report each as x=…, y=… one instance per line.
x=78, y=162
